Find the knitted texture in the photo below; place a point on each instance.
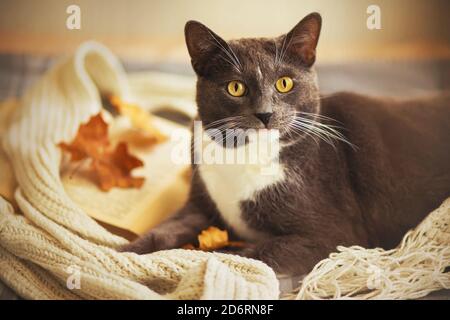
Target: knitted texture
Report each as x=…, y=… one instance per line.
x=54, y=240
x=415, y=268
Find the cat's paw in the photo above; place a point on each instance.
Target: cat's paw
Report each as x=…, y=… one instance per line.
x=149, y=243
x=247, y=252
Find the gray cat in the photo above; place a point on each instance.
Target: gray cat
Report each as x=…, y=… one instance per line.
x=351, y=170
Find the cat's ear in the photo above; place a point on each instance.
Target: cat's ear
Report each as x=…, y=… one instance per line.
x=201, y=43
x=302, y=39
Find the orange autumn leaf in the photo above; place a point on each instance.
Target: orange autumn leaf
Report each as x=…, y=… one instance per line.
x=111, y=166
x=140, y=119
x=90, y=141
x=113, y=169
x=212, y=239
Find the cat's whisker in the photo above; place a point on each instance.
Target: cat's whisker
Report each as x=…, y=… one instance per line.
x=295, y=130
x=228, y=58
x=322, y=125
x=235, y=56
x=327, y=136
x=283, y=53
x=216, y=122
x=231, y=55
x=318, y=133
x=314, y=136
x=331, y=131
x=276, y=53
x=313, y=128
x=323, y=130
x=316, y=115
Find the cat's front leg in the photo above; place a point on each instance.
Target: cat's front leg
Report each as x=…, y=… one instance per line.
x=290, y=254
x=181, y=228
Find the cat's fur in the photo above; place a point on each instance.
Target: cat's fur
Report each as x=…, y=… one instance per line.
x=368, y=192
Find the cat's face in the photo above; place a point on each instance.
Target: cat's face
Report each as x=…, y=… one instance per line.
x=255, y=83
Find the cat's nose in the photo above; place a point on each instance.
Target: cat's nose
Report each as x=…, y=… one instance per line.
x=264, y=117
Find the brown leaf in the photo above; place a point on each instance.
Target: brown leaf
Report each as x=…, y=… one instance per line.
x=112, y=168
x=90, y=141
x=140, y=119
x=212, y=239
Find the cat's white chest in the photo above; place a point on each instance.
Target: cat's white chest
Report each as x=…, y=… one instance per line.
x=229, y=184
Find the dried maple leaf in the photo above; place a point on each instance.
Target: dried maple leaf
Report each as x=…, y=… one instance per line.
x=140, y=119
x=111, y=167
x=212, y=239
x=90, y=141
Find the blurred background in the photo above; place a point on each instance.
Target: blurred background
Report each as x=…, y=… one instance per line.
x=412, y=48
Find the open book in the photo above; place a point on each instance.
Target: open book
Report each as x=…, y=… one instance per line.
x=130, y=212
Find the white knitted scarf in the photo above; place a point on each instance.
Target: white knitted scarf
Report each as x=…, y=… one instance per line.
x=53, y=240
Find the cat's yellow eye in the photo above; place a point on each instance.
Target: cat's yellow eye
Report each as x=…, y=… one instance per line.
x=284, y=84
x=236, y=88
